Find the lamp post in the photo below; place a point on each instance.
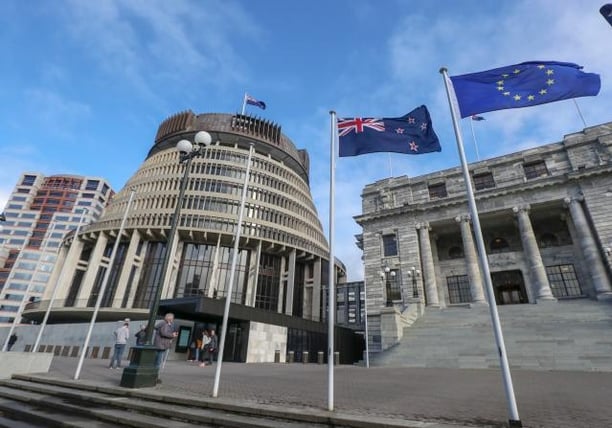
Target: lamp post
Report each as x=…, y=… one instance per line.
x=388, y=275
x=142, y=371
x=187, y=151
x=413, y=274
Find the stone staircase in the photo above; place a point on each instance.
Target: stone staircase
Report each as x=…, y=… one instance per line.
x=564, y=335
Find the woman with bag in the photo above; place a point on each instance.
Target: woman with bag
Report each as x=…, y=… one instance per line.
x=204, y=347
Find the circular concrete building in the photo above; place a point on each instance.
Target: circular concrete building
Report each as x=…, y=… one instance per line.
x=282, y=269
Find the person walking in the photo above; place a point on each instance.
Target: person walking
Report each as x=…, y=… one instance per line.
x=121, y=337
x=210, y=350
x=141, y=336
x=166, y=333
x=12, y=341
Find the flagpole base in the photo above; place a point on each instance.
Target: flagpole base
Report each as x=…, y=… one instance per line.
x=515, y=423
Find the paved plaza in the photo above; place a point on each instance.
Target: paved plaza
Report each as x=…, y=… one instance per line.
x=560, y=399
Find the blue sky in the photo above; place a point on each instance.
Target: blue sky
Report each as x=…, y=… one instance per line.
x=84, y=84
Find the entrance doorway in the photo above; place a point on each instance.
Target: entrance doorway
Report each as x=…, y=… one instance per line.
x=509, y=287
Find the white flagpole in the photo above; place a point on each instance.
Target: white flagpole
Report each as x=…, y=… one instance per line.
x=390, y=165
x=102, y=290
x=474, y=138
x=331, y=289
x=243, y=104
x=365, y=304
x=57, y=283
x=228, y=294
x=579, y=112
x=514, y=420
x=22, y=304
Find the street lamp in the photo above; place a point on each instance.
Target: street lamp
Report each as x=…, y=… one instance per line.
x=187, y=151
x=413, y=274
x=388, y=276
x=142, y=371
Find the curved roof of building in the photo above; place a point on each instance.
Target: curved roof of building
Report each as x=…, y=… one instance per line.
x=233, y=129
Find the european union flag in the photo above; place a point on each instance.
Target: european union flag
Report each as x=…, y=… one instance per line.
x=606, y=12
x=522, y=85
x=412, y=134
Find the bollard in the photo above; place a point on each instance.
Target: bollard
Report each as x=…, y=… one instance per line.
x=305, y=357
x=337, y=358
x=277, y=356
x=290, y=357
x=320, y=357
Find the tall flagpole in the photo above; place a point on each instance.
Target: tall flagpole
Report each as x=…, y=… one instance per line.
x=102, y=290
x=579, y=112
x=365, y=303
x=228, y=294
x=474, y=138
x=331, y=289
x=57, y=283
x=514, y=420
x=390, y=165
x=243, y=104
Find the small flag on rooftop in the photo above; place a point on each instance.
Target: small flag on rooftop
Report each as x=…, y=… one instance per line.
x=254, y=102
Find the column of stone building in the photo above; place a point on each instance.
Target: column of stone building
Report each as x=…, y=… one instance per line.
x=471, y=260
x=290, y=283
x=67, y=266
x=251, y=289
x=537, y=272
x=92, y=270
x=126, y=269
x=595, y=267
x=429, y=273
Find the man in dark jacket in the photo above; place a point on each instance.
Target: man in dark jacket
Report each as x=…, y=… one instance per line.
x=12, y=341
x=165, y=334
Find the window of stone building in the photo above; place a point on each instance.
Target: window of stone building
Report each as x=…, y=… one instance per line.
x=28, y=180
x=389, y=245
x=535, y=169
x=548, y=240
x=437, y=191
x=563, y=281
x=498, y=245
x=458, y=289
x=455, y=252
x=483, y=181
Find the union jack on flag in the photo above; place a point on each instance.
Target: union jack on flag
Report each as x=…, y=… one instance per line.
x=357, y=124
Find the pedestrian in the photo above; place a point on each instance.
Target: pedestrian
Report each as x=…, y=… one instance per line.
x=12, y=341
x=141, y=336
x=166, y=332
x=121, y=337
x=210, y=349
x=204, y=345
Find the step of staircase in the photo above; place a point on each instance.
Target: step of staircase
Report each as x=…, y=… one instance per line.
x=40, y=401
x=564, y=335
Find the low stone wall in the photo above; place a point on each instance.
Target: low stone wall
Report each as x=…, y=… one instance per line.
x=24, y=362
x=67, y=340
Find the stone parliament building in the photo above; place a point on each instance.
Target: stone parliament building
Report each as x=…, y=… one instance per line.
x=547, y=225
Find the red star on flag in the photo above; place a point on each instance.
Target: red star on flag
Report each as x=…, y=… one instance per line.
x=414, y=147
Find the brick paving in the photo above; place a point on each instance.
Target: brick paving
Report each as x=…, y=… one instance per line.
x=559, y=399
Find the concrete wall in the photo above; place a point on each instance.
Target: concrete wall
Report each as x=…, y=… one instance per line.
x=57, y=337
x=20, y=363
x=264, y=340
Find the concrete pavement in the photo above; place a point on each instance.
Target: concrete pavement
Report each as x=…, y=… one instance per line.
x=560, y=399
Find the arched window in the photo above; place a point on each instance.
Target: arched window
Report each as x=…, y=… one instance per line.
x=548, y=240
x=499, y=245
x=455, y=252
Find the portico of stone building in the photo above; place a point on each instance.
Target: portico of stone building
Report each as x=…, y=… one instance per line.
x=536, y=252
